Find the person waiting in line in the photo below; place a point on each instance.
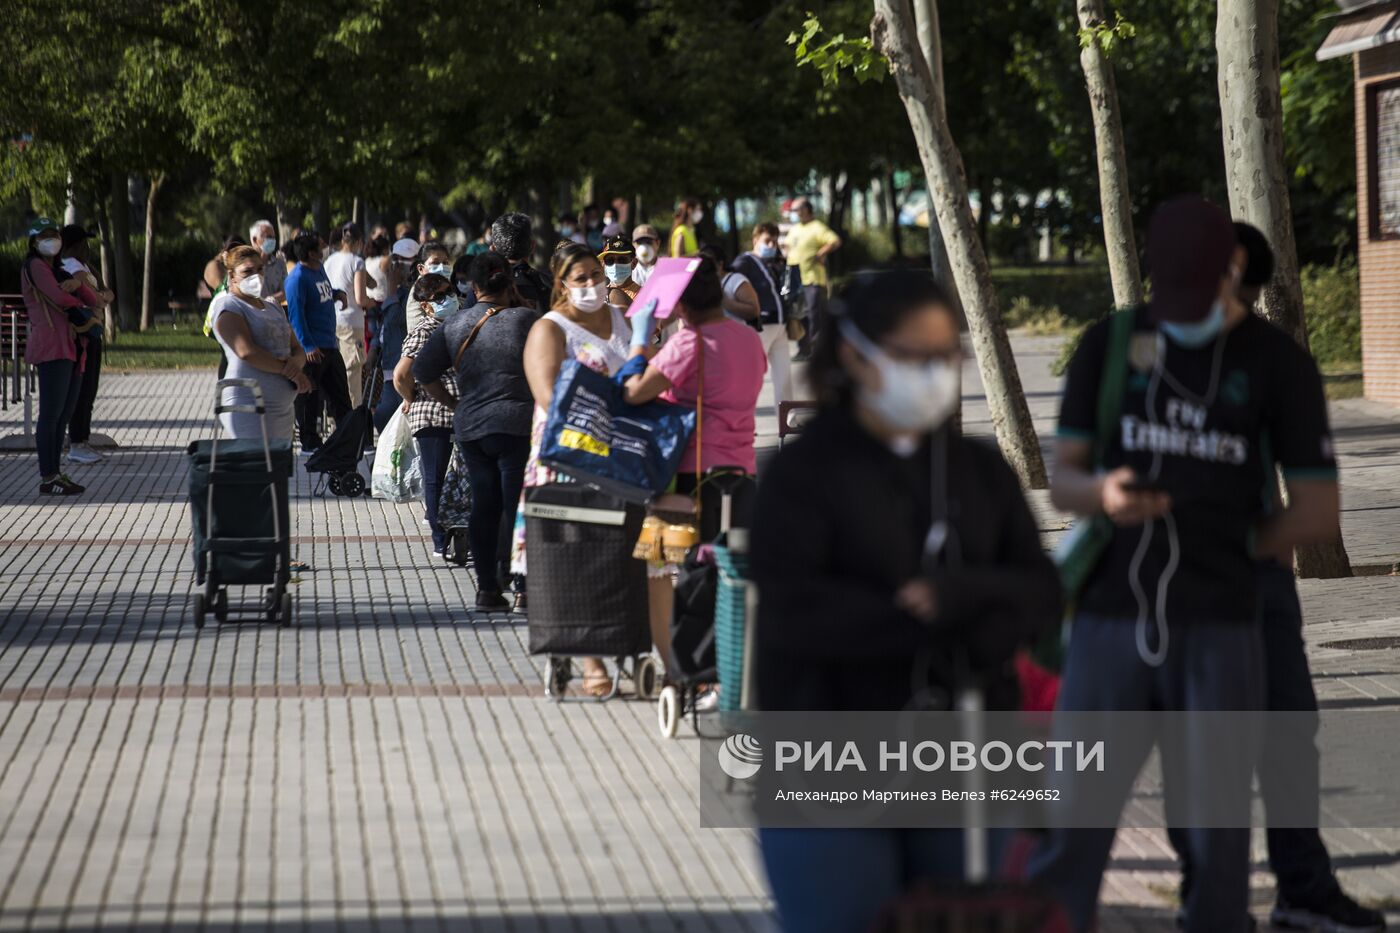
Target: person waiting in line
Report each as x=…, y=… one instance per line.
x=263, y=235
x=215, y=279
x=484, y=346
x=429, y=419
x=569, y=230
x=433, y=259
x=346, y=270
x=579, y=325
x=762, y=266
x=75, y=262
x=809, y=244
x=646, y=242
x=855, y=611
x=257, y=338
x=617, y=258
x=684, y=240
x=1309, y=896
x=52, y=349
x=393, y=326
x=1214, y=398
x=462, y=280
x=715, y=364
x=512, y=235
x=311, y=311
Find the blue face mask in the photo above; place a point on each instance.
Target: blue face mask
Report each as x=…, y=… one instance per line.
x=1197, y=334
x=618, y=272
x=768, y=251
x=438, y=268
x=444, y=306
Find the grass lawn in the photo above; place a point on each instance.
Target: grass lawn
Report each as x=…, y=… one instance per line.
x=162, y=347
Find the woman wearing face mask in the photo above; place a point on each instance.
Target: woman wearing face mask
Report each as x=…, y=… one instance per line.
x=462, y=280
x=429, y=419
x=854, y=614
x=580, y=325
x=763, y=267
x=52, y=350
x=617, y=259
x=433, y=258
x=684, y=241
x=258, y=341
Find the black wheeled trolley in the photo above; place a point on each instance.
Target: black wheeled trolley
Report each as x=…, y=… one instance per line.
x=588, y=595
x=239, y=518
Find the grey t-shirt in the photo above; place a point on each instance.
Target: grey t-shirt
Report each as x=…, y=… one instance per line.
x=494, y=395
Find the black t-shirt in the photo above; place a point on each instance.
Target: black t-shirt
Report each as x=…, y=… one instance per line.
x=494, y=397
x=533, y=285
x=1223, y=416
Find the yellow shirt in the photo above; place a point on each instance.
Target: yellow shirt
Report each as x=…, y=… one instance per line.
x=803, y=242
x=683, y=241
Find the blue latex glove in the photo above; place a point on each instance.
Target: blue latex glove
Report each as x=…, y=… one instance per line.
x=633, y=367
x=643, y=324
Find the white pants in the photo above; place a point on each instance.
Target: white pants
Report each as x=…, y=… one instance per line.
x=775, y=344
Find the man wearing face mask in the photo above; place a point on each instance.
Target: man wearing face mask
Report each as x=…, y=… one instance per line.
x=646, y=241
x=512, y=237
x=856, y=610
x=809, y=243
x=1212, y=398
x=311, y=310
x=263, y=235
x=762, y=265
x=618, y=258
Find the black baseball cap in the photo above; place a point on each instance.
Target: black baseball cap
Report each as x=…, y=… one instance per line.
x=1190, y=242
x=74, y=233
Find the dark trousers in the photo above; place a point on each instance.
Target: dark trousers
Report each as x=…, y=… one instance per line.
x=1211, y=666
x=435, y=450
x=60, y=384
x=720, y=483
x=815, y=298
x=329, y=391
x=496, y=470
x=80, y=426
x=1289, y=769
x=389, y=402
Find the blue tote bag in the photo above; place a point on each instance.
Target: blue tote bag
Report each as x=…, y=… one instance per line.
x=595, y=437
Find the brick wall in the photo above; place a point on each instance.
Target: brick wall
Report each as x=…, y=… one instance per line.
x=1379, y=259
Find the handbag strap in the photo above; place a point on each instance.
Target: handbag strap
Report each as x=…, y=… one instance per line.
x=45, y=302
x=1111, y=383
x=471, y=337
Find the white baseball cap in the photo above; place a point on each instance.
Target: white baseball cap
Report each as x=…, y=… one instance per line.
x=407, y=248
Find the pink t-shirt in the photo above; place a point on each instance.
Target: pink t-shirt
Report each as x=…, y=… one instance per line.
x=734, y=368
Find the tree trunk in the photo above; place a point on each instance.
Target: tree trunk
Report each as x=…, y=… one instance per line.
x=104, y=252
x=1114, y=199
x=1251, y=119
x=148, y=281
x=122, y=281
x=321, y=215
x=893, y=209
x=735, y=246
x=893, y=33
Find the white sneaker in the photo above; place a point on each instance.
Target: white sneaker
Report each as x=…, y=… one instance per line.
x=82, y=453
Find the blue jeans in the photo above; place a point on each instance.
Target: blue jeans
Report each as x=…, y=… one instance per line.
x=496, y=470
x=435, y=448
x=389, y=402
x=838, y=880
x=1209, y=666
x=1297, y=856
x=60, y=384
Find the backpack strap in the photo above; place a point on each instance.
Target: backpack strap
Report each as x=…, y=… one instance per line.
x=471, y=338
x=1113, y=380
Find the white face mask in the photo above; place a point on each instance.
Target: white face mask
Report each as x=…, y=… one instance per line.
x=252, y=286
x=49, y=246
x=588, y=298
x=913, y=397
x=646, y=253
x=697, y=216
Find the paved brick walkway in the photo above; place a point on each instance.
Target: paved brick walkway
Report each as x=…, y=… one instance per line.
x=388, y=762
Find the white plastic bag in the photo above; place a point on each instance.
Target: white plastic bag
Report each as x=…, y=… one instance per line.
x=398, y=470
